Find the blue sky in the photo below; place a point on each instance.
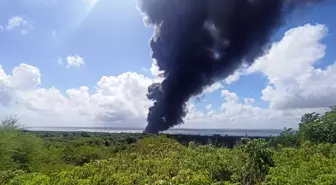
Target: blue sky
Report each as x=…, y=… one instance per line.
x=110, y=39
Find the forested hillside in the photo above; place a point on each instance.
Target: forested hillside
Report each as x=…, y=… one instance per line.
x=305, y=157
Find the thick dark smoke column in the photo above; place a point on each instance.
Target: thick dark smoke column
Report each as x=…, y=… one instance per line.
x=197, y=42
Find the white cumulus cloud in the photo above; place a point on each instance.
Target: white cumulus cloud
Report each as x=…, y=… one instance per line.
x=212, y=88
x=117, y=100
x=236, y=75
x=19, y=23
x=229, y=96
x=234, y=113
x=74, y=61
x=154, y=69
x=294, y=54
x=294, y=82
x=121, y=101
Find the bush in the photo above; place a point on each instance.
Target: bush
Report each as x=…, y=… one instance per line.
x=287, y=138
x=6, y=176
x=18, y=150
x=317, y=128
x=257, y=161
x=305, y=157
x=310, y=164
x=8, y=142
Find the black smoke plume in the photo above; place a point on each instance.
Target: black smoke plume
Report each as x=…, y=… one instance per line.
x=197, y=42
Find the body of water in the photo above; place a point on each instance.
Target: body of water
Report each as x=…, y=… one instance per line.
x=222, y=132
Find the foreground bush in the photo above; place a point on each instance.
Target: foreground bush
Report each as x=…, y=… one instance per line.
x=155, y=160
x=310, y=164
x=303, y=158
x=158, y=160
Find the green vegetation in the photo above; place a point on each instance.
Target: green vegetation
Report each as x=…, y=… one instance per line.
x=303, y=157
